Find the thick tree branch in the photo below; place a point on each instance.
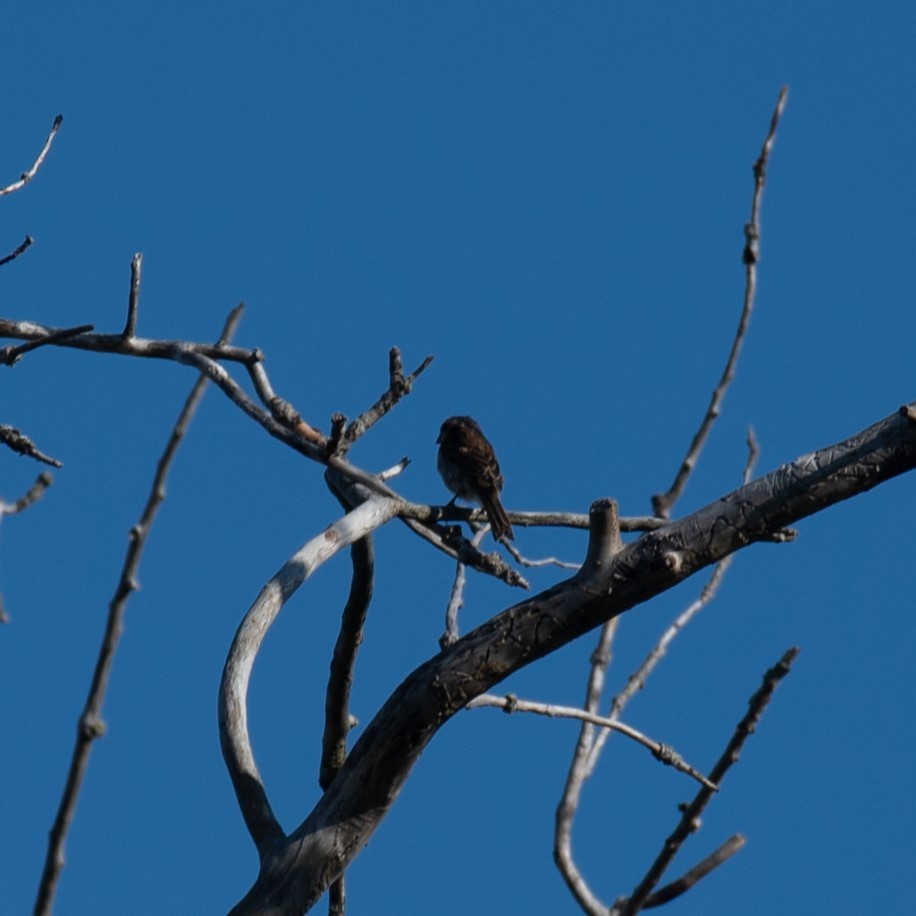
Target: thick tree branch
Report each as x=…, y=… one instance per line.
x=592, y=741
x=296, y=872
x=233, y=692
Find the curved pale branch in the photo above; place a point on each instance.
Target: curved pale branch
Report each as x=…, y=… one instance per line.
x=26, y=177
x=296, y=871
x=233, y=690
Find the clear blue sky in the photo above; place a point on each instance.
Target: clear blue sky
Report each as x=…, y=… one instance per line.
x=550, y=198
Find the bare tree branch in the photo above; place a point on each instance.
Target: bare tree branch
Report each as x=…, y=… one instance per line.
x=697, y=873
x=90, y=724
x=282, y=422
x=690, y=819
x=9, y=356
x=16, y=440
x=661, y=752
x=337, y=717
x=399, y=385
x=456, y=596
x=637, y=680
x=26, y=177
x=249, y=788
x=133, y=300
x=30, y=497
x=576, y=776
x=532, y=563
x=135, y=346
x=662, y=503
x=296, y=870
x=20, y=249
x=550, y=519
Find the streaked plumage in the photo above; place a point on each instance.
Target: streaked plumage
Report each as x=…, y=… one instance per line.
x=470, y=470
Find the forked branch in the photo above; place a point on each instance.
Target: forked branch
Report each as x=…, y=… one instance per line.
x=296, y=870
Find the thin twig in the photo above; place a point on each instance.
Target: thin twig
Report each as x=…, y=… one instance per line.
x=576, y=776
x=637, y=680
x=9, y=356
x=281, y=421
x=26, y=177
x=17, y=251
x=697, y=873
x=16, y=440
x=399, y=385
x=30, y=497
x=537, y=564
x=457, y=513
x=591, y=743
x=133, y=300
x=136, y=346
x=690, y=818
x=662, y=503
x=394, y=470
x=456, y=597
x=90, y=724
x=662, y=752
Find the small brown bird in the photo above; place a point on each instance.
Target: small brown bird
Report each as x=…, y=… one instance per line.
x=470, y=470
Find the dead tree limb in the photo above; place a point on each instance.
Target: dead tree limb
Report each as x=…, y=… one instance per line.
x=297, y=869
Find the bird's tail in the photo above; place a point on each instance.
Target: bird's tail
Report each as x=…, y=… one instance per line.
x=496, y=514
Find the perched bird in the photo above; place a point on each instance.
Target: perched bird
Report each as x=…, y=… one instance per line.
x=470, y=470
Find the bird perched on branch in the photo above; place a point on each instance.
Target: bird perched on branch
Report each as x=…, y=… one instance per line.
x=469, y=468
